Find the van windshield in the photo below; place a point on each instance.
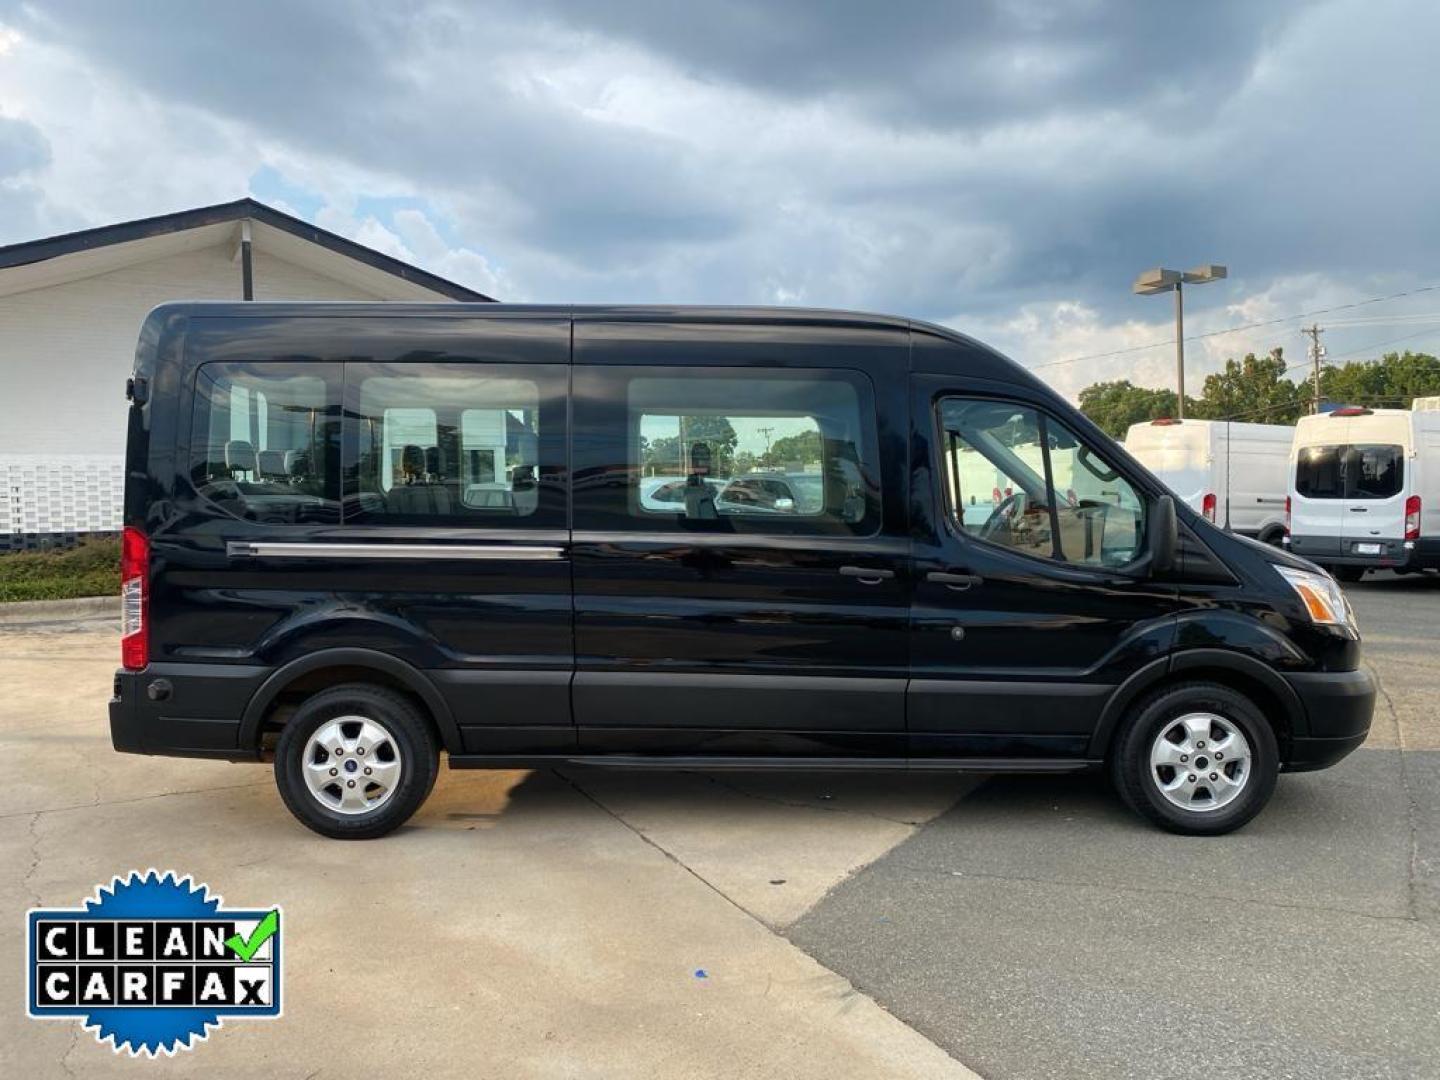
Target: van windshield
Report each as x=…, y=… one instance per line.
x=1350, y=471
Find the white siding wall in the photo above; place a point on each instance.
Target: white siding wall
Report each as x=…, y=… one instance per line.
x=65, y=352
x=66, y=493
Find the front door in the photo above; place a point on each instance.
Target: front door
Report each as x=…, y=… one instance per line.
x=1026, y=610
x=740, y=556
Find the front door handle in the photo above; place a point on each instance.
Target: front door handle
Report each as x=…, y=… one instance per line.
x=868, y=575
x=958, y=582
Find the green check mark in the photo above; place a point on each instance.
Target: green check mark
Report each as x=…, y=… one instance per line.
x=244, y=948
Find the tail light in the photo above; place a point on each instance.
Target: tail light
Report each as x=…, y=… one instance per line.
x=1287, y=516
x=134, y=599
x=1207, y=507
x=1412, y=518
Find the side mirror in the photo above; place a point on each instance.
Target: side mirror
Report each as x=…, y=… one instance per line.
x=1163, y=536
x=784, y=504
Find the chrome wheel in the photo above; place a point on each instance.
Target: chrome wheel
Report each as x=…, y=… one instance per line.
x=352, y=765
x=1200, y=761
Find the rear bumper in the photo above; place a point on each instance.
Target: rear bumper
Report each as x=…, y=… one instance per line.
x=190, y=710
x=1422, y=554
x=1338, y=708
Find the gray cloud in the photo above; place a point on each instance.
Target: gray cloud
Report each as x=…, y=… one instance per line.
x=940, y=159
x=959, y=65
x=23, y=147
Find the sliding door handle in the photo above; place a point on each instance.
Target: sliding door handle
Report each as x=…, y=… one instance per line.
x=958, y=582
x=867, y=575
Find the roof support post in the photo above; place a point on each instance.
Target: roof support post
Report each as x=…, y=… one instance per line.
x=247, y=270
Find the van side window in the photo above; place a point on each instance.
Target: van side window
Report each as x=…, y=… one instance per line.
x=725, y=450
x=1016, y=477
x=448, y=443
x=264, y=441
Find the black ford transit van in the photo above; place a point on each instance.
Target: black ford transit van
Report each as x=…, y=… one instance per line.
x=359, y=534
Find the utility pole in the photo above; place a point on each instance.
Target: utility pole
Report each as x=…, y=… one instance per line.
x=1179, y=353
x=1317, y=354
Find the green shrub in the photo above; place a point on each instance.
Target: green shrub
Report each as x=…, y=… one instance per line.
x=90, y=568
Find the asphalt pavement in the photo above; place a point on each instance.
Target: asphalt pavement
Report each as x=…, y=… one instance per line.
x=1039, y=930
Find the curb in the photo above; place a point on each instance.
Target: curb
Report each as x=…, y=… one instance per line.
x=19, y=612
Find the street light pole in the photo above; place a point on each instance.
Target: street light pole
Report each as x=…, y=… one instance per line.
x=1162, y=280
x=1179, y=351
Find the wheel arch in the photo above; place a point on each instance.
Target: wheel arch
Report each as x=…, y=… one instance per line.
x=1272, y=695
x=330, y=667
x=1271, y=533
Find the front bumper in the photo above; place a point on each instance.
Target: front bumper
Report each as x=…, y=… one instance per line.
x=1338, y=708
x=189, y=710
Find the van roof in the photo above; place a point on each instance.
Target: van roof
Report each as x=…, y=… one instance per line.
x=986, y=361
x=628, y=312
x=638, y=313
x=1170, y=429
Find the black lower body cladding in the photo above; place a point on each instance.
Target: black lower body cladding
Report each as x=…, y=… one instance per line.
x=191, y=710
x=1338, y=708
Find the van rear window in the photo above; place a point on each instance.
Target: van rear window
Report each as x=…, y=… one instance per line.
x=1350, y=471
x=264, y=441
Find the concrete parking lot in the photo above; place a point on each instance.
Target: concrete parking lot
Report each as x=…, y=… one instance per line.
x=524, y=924
x=1036, y=931
x=594, y=923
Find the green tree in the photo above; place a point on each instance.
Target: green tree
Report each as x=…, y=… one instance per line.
x=801, y=448
x=1253, y=389
x=661, y=457
x=1114, y=406
x=1393, y=381
x=718, y=434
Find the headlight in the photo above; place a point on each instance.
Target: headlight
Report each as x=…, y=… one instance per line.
x=1322, y=596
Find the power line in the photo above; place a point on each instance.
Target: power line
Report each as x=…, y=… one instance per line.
x=1378, y=400
x=1237, y=329
x=1356, y=352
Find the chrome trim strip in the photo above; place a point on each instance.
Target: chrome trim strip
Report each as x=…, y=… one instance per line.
x=264, y=549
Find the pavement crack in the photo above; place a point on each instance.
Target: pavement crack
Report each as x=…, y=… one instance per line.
x=65, y=1057
x=135, y=799
x=1412, y=807
x=34, y=867
x=663, y=851
x=778, y=801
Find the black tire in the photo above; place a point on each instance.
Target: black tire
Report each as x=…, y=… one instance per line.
x=413, y=738
x=1140, y=788
x=1348, y=574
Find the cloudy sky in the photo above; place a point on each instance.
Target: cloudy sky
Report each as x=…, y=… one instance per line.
x=1003, y=167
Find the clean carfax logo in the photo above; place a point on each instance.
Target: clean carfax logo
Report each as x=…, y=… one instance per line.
x=151, y=963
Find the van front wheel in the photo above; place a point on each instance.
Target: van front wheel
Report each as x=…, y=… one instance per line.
x=1197, y=758
x=355, y=762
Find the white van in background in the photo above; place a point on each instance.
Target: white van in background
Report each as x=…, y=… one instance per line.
x=1365, y=489
x=1234, y=474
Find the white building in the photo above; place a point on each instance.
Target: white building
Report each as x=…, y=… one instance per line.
x=71, y=308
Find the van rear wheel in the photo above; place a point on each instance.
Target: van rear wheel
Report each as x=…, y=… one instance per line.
x=1197, y=758
x=356, y=761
